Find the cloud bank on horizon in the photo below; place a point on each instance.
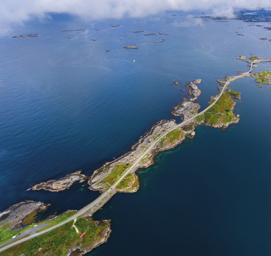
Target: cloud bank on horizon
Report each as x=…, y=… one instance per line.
x=13, y=12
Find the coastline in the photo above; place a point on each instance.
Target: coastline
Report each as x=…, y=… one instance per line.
x=170, y=146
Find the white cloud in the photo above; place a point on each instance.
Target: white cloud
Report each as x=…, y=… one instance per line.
x=18, y=11
x=189, y=21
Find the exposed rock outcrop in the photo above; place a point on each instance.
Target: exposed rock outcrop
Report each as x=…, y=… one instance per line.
x=16, y=215
x=104, y=176
x=60, y=184
x=187, y=109
x=193, y=89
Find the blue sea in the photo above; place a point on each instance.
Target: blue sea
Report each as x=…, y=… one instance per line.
x=73, y=98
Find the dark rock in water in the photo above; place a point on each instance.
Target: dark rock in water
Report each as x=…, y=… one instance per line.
x=115, y=26
x=138, y=31
x=239, y=34
x=74, y=30
x=61, y=184
x=26, y=36
x=162, y=34
x=16, y=214
x=131, y=46
x=263, y=38
x=268, y=28
x=216, y=18
x=150, y=34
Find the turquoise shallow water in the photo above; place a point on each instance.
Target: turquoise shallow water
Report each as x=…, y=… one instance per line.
x=67, y=103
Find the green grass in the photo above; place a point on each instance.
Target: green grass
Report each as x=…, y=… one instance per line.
x=172, y=137
x=254, y=58
x=129, y=184
x=7, y=233
x=200, y=119
x=115, y=174
x=221, y=114
x=235, y=94
x=61, y=240
x=263, y=77
x=58, y=218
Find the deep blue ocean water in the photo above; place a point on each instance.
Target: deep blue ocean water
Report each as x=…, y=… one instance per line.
x=69, y=103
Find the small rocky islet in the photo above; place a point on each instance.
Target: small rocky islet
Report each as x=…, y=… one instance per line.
x=60, y=184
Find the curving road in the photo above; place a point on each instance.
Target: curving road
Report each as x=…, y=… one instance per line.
x=100, y=201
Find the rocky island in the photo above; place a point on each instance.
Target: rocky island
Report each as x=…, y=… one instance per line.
x=221, y=115
x=26, y=36
x=150, y=34
x=263, y=77
x=131, y=47
x=193, y=89
x=107, y=175
x=60, y=184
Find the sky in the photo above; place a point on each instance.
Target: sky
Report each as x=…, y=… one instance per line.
x=16, y=12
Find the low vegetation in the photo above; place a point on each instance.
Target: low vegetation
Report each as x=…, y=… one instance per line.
x=6, y=232
x=254, y=58
x=114, y=175
x=221, y=115
x=235, y=94
x=172, y=138
x=65, y=239
x=129, y=184
x=263, y=77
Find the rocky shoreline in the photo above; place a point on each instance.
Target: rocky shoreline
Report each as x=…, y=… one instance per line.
x=103, y=177
x=60, y=184
x=96, y=181
x=222, y=115
x=102, y=239
x=88, y=235
x=164, y=135
x=21, y=213
x=193, y=89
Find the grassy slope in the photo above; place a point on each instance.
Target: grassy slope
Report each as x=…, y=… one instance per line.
x=115, y=174
x=61, y=240
x=6, y=233
x=263, y=77
x=221, y=114
x=129, y=184
x=172, y=138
